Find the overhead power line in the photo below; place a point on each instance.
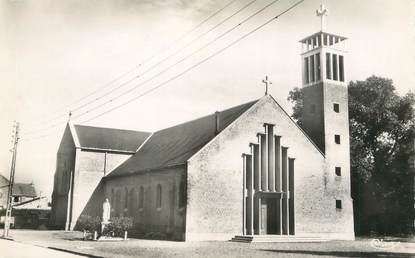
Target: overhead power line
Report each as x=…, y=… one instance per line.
x=195, y=65
x=127, y=91
x=164, y=59
x=181, y=60
x=107, y=85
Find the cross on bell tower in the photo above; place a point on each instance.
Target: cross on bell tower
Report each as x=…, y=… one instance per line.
x=322, y=12
x=266, y=82
x=324, y=70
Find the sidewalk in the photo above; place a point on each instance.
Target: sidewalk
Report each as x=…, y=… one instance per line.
x=12, y=249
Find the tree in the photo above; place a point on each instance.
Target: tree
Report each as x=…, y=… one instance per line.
x=381, y=142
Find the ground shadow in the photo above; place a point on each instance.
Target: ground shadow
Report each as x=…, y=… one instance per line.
x=74, y=252
x=343, y=253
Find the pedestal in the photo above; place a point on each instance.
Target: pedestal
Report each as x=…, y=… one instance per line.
x=103, y=225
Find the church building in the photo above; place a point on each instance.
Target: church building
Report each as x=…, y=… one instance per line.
x=248, y=173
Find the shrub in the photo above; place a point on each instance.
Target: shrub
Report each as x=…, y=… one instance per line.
x=117, y=226
x=89, y=223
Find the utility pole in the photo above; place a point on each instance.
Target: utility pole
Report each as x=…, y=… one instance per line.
x=11, y=181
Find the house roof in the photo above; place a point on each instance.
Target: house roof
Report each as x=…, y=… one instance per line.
x=175, y=145
x=20, y=189
x=110, y=138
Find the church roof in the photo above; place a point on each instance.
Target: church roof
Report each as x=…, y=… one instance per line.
x=175, y=145
x=110, y=138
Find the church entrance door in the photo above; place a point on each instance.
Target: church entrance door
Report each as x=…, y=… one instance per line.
x=264, y=216
x=269, y=216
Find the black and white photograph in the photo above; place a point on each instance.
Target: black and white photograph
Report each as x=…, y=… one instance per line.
x=207, y=128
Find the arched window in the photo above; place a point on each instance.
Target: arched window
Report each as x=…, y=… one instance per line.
x=182, y=194
x=132, y=205
x=141, y=198
x=126, y=201
x=118, y=203
x=158, y=196
x=112, y=200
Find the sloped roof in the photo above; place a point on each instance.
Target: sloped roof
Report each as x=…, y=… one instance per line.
x=109, y=138
x=175, y=145
x=20, y=189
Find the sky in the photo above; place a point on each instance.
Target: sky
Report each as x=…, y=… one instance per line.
x=55, y=53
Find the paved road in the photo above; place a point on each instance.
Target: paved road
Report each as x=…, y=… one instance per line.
x=12, y=249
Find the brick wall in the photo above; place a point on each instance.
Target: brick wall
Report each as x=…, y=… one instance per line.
x=124, y=195
x=65, y=162
x=87, y=187
x=214, y=209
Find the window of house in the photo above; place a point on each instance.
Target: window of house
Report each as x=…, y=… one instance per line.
x=338, y=171
x=141, y=198
x=328, y=66
x=306, y=71
x=341, y=68
x=338, y=204
x=158, y=196
x=335, y=75
x=336, y=107
x=337, y=138
x=16, y=199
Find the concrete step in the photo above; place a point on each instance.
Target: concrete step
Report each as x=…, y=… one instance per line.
x=276, y=239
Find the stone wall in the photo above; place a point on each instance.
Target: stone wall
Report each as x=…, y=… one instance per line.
x=65, y=162
x=215, y=180
x=125, y=193
x=91, y=166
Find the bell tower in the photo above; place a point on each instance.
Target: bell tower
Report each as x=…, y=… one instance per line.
x=325, y=115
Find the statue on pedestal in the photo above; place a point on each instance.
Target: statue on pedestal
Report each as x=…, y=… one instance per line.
x=106, y=210
x=106, y=213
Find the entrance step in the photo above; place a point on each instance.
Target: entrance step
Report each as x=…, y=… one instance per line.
x=276, y=239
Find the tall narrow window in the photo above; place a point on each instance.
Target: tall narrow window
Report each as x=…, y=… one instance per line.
x=318, y=66
x=337, y=139
x=312, y=69
x=182, y=194
x=141, y=198
x=341, y=68
x=126, y=202
x=158, y=197
x=118, y=203
x=325, y=39
x=328, y=65
x=338, y=171
x=335, y=75
x=319, y=40
x=306, y=71
x=339, y=204
x=112, y=198
x=336, y=107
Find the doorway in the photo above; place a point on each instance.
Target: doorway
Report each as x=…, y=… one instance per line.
x=270, y=216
